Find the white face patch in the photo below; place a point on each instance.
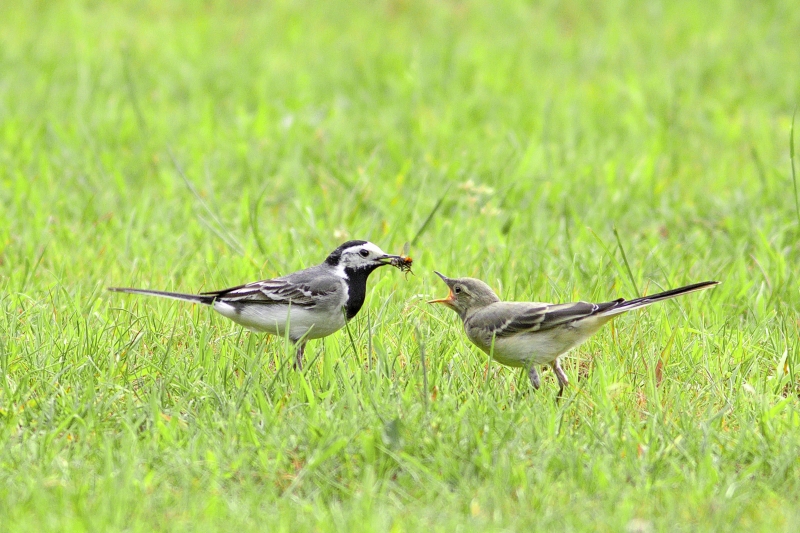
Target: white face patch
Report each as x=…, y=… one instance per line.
x=361, y=256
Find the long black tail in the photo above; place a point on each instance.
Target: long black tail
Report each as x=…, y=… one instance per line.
x=196, y=298
x=644, y=301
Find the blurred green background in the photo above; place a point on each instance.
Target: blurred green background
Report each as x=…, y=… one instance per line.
x=196, y=145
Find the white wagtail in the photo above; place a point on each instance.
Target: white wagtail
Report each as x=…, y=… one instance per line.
x=526, y=334
x=313, y=302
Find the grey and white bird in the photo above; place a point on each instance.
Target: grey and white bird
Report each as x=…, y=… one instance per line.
x=527, y=334
x=310, y=303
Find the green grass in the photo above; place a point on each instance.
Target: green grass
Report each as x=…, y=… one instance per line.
x=198, y=145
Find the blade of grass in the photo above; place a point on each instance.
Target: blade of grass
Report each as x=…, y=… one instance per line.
x=430, y=216
x=625, y=260
x=421, y=344
x=794, y=174
x=220, y=230
x=132, y=93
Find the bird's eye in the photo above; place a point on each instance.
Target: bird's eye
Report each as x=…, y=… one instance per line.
x=364, y=253
x=457, y=289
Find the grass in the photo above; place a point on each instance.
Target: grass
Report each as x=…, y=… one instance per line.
x=557, y=150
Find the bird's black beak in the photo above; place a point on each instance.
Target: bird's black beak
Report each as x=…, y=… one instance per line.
x=444, y=278
x=389, y=259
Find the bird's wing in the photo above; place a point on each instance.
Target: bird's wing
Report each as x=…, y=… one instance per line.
x=505, y=319
x=304, y=291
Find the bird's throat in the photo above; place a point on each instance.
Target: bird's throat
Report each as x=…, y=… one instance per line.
x=357, y=289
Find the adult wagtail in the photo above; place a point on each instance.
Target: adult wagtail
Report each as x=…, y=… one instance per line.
x=527, y=334
x=313, y=302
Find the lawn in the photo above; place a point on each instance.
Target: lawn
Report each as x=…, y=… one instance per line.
x=557, y=150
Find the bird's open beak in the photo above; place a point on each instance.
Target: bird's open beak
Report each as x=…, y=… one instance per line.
x=448, y=301
x=444, y=301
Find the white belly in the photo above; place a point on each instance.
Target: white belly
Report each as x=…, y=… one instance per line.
x=543, y=347
x=274, y=319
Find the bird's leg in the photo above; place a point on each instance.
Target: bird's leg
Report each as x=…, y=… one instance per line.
x=298, y=361
x=533, y=375
x=561, y=376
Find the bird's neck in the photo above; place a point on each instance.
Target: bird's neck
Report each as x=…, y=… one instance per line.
x=357, y=289
x=466, y=315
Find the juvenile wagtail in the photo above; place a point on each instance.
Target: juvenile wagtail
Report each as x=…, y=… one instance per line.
x=314, y=302
x=526, y=334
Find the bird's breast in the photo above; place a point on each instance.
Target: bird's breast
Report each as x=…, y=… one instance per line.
x=355, y=290
x=313, y=322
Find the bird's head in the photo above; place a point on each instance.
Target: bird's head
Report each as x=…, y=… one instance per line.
x=360, y=256
x=466, y=294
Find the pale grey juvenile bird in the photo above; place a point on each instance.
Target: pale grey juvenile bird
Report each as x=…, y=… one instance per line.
x=313, y=302
x=527, y=334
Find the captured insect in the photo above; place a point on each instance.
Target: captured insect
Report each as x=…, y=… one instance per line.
x=404, y=261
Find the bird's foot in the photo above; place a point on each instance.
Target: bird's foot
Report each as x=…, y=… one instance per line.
x=298, y=359
x=561, y=376
x=533, y=375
